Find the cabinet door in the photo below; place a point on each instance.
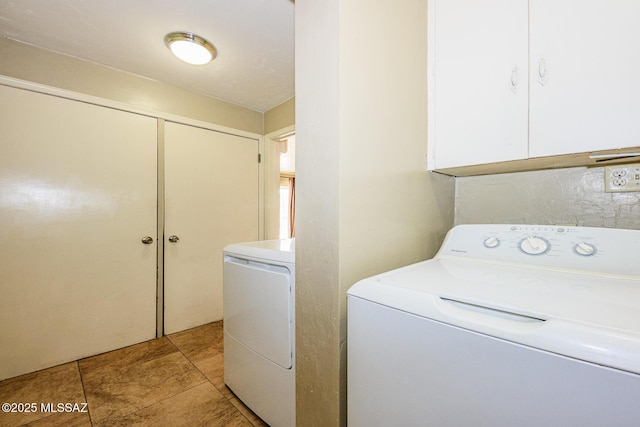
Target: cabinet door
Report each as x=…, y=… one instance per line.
x=478, y=81
x=77, y=195
x=585, y=60
x=211, y=200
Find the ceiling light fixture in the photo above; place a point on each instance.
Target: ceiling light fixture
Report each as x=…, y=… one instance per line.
x=190, y=48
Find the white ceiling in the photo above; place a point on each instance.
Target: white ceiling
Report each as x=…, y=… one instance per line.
x=254, y=39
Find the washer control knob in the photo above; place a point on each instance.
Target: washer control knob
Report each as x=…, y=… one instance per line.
x=491, y=242
x=585, y=249
x=534, y=245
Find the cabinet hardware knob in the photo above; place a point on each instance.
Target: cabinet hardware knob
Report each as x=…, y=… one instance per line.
x=174, y=239
x=147, y=240
x=542, y=71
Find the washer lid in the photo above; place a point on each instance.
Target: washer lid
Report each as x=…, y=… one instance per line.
x=589, y=317
x=283, y=250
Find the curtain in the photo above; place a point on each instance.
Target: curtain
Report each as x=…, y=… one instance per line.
x=292, y=207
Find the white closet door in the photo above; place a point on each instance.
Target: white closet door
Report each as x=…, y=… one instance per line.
x=211, y=200
x=585, y=57
x=77, y=194
x=478, y=78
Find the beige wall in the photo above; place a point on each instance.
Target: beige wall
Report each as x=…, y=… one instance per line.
x=562, y=196
x=317, y=135
x=280, y=117
x=365, y=203
x=26, y=62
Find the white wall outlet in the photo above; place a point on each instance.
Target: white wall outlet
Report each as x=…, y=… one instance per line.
x=621, y=178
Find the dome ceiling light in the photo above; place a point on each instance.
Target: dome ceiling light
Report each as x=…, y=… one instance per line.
x=190, y=47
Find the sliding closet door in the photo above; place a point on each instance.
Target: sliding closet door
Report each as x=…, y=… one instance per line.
x=78, y=194
x=211, y=200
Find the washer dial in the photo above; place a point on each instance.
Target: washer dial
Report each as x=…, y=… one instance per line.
x=534, y=245
x=584, y=249
x=491, y=242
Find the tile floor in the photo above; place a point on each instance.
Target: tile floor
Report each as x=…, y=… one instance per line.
x=176, y=380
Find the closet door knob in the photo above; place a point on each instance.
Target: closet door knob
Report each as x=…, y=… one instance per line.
x=147, y=240
x=174, y=239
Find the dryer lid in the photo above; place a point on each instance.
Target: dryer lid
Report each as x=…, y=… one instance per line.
x=279, y=251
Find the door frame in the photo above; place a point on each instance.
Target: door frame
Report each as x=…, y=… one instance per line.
x=271, y=175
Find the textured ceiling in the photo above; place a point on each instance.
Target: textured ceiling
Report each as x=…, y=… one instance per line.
x=254, y=39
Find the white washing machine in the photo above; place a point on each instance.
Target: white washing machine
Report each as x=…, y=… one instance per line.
x=509, y=325
x=259, y=327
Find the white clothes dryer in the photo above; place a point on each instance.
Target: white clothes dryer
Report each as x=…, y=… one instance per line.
x=259, y=327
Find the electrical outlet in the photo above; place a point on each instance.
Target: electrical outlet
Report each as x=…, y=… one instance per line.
x=621, y=178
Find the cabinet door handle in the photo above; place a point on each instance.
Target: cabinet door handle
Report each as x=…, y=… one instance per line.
x=542, y=71
x=147, y=240
x=174, y=239
x=514, y=79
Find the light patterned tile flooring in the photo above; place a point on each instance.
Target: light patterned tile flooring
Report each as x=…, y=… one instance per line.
x=176, y=380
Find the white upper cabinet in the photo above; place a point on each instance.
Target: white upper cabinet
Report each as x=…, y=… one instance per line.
x=585, y=68
x=478, y=67
x=516, y=80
